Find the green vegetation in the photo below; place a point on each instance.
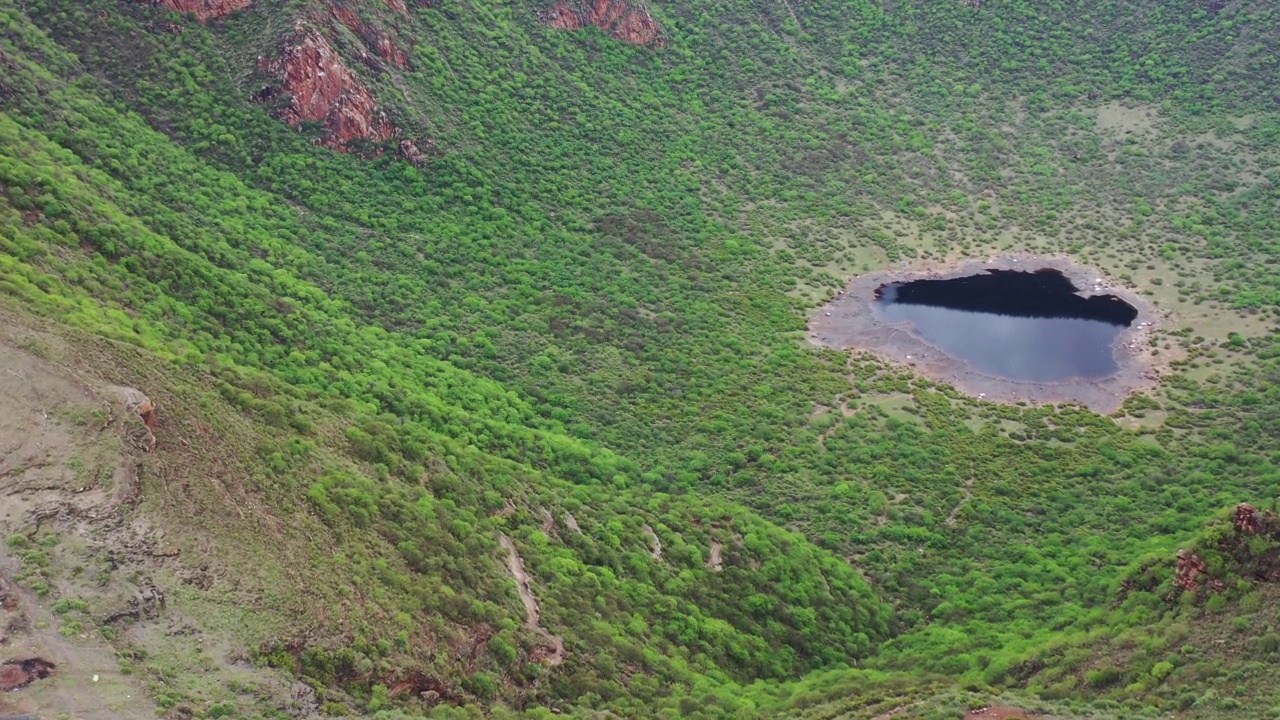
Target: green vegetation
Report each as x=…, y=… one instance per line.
x=585, y=315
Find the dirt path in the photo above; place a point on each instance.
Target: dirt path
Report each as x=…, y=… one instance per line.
x=555, y=654
x=716, y=563
x=656, y=552
x=846, y=412
x=968, y=495
x=997, y=712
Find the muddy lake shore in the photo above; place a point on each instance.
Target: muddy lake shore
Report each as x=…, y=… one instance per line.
x=850, y=321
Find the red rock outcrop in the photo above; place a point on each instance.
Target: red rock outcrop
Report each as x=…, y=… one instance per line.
x=206, y=9
x=621, y=19
x=323, y=90
x=398, y=6
x=381, y=42
x=1189, y=569
x=1245, y=519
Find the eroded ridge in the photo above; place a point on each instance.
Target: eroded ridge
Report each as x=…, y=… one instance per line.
x=553, y=652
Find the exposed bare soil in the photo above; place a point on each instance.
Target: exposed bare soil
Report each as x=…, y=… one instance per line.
x=716, y=562
x=96, y=577
x=16, y=674
x=850, y=322
x=67, y=459
x=554, y=652
x=655, y=545
x=997, y=712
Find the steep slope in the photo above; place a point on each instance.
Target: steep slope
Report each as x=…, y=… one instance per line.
x=587, y=302
x=322, y=90
x=1204, y=617
x=206, y=9
x=630, y=23
x=410, y=511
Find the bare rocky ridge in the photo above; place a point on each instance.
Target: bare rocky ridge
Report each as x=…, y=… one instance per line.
x=323, y=90
x=571, y=522
x=553, y=653
x=716, y=561
x=382, y=43
x=206, y=9
x=622, y=20
x=1188, y=570
x=654, y=543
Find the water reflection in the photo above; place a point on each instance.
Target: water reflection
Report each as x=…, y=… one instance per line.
x=1020, y=325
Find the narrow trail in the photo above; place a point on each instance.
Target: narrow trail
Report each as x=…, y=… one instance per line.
x=968, y=495
x=883, y=518
x=653, y=539
x=846, y=412
x=555, y=654
x=716, y=562
x=793, y=15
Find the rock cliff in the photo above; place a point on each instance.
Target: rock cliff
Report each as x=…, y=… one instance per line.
x=323, y=90
x=206, y=9
x=622, y=20
x=381, y=43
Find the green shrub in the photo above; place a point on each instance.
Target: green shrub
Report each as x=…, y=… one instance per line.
x=1103, y=677
x=482, y=685
x=1268, y=644
x=378, y=698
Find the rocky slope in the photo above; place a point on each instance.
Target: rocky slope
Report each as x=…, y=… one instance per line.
x=1244, y=549
x=629, y=22
x=381, y=43
x=206, y=9
x=323, y=90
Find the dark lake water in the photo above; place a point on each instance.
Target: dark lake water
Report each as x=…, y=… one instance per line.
x=1031, y=326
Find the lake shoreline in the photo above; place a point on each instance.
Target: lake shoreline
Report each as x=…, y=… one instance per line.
x=849, y=322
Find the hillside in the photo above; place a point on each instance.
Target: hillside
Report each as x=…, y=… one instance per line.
x=450, y=359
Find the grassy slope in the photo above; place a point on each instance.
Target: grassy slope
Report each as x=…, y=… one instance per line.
x=413, y=512
x=655, y=217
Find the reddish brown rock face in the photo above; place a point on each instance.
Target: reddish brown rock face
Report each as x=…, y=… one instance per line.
x=206, y=9
x=325, y=91
x=381, y=43
x=1188, y=571
x=1245, y=519
x=623, y=20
